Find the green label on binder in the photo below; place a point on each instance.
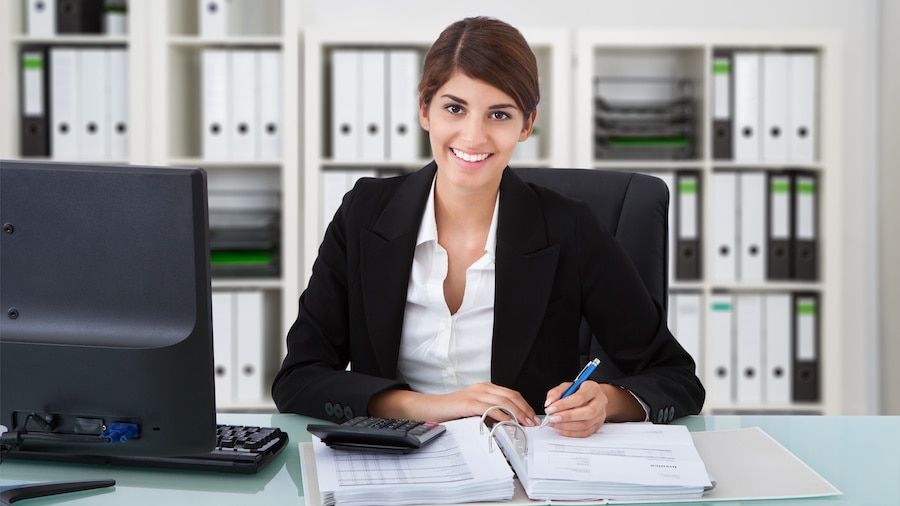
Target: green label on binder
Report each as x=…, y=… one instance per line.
x=807, y=187
x=32, y=63
x=781, y=187
x=721, y=306
x=721, y=67
x=687, y=186
x=807, y=308
x=240, y=257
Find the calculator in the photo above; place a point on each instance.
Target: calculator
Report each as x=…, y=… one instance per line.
x=369, y=433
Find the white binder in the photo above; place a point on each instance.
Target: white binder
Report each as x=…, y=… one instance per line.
x=223, y=312
x=748, y=347
x=334, y=186
x=250, y=338
x=719, y=368
x=269, y=90
x=243, y=115
x=92, y=101
x=404, y=131
x=777, y=338
x=774, y=107
x=117, y=123
x=345, y=105
x=215, y=96
x=746, y=133
x=752, y=226
x=803, y=103
x=372, y=82
x=684, y=310
x=724, y=216
x=64, y=97
x=214, y=17
x=41, y=16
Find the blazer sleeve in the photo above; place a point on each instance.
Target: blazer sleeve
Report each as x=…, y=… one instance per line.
x=313, y=379
x=631, y=327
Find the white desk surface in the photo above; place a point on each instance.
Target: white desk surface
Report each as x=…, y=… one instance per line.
x=859, y=455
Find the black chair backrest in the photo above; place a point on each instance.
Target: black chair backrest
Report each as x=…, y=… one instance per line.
x=634, y=208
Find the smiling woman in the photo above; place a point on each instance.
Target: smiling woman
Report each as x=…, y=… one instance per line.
x=459, y=287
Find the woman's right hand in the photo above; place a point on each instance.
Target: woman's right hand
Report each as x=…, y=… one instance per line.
x=470, y=401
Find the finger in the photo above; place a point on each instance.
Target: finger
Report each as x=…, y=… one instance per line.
x=555, y=393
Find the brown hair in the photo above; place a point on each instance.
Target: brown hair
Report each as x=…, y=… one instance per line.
x=488, y=50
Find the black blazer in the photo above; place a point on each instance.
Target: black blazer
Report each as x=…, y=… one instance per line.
x=554, y=264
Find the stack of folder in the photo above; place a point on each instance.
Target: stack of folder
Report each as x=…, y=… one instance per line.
x=244, y=233
x=644, y=119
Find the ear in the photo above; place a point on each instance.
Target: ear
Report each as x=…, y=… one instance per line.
x=528, y=127
x=423, y=116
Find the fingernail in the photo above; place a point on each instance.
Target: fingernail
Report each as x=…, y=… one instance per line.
x=550, y=410
x=555, y=419
x=537, y=421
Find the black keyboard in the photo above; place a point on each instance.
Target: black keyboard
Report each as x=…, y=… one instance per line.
x=378, y=434
x=239, y=449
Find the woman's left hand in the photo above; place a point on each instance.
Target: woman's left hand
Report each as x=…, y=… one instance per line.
x=592, y=405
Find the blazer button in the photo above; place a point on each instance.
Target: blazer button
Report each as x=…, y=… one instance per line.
x=671, y=413
x=338, y=410
x=661, y=415
x=329, y=409
x=348, y=412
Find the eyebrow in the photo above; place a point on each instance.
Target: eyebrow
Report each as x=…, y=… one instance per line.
x=463, y=102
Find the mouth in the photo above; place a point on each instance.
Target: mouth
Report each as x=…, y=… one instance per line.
x=470, y=157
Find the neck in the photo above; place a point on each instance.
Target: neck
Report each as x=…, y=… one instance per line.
x=458, y=208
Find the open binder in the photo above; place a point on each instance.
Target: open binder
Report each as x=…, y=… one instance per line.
x=746, y=464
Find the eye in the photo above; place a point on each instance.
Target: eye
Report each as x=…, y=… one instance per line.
x=453, y=108
x=500, y=115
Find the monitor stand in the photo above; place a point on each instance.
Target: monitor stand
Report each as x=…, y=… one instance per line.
x=9, y=495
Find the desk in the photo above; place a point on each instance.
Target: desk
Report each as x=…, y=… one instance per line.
x=859, y=455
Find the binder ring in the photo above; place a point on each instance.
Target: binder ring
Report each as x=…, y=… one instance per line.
x=501, y=408
x=515, y=435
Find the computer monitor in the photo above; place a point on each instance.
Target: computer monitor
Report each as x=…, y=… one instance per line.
x=106, y=314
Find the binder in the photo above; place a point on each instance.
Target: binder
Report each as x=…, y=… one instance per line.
x=334, y=185
x=803, y=106
x=372, y=82
x=79, y=16
x=805, y=226
x=115, y=17
x=668, y=177
x=41, y=16
x=777, y=341
x=724, y=216
x=719, y=369
x=213, y=16
x=117, y=122
x=805, y=384
x=723, y=107
x=34, y=104
x=688, y=210
x=779, y=247
x=92, y=102
x=774, y=107
x=243, y=115
x=684, y=318
x=405, y=134
x=746, y=106
x=269, y=90
x=250, y=339
x=345, y=104
x=64, y=97
x=223, y=313
x=215, y=96
x=752, y=229
x=748, y=346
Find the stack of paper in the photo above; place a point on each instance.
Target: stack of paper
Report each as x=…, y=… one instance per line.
x=456, y=467
x=628, y=461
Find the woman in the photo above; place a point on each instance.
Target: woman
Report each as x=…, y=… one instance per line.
x=459, y=286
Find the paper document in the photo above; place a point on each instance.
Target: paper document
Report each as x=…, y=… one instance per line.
x=455, y=467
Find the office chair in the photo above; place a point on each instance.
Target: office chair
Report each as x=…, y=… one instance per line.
x=634, y=208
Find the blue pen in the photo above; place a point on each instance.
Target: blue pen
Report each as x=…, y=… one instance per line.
x=582, y=376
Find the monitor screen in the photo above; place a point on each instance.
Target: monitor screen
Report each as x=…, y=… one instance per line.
x=106, y=319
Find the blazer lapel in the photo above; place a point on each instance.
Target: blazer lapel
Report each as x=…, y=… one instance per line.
x=386, y=253
x=526, y=266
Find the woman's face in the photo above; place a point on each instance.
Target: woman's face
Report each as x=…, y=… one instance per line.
x=473, y=128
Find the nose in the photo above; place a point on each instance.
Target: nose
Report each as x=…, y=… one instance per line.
x=473, y=132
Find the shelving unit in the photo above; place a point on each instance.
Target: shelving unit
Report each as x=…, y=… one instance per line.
x=165, y=111
x=689, y=55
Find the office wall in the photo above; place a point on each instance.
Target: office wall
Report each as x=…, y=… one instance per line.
x=889, y=154
x=856, y=21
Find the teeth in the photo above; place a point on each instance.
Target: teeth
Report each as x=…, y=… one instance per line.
x=470, y=158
